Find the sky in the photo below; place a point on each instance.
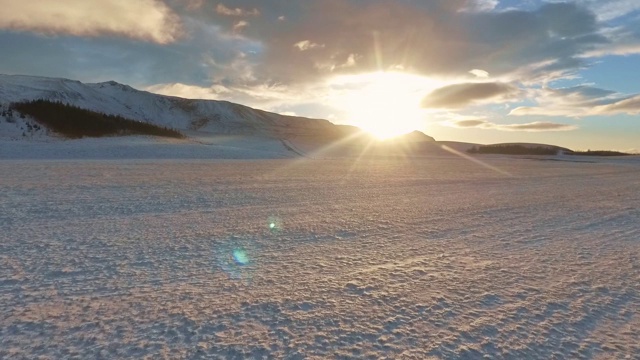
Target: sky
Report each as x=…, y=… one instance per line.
x=482, y=71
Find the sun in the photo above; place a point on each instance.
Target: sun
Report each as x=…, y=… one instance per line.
x=385, y=104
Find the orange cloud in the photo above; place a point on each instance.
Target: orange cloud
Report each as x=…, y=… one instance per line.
x=148, y=20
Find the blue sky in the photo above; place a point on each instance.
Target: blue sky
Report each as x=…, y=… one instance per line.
x=484, y=71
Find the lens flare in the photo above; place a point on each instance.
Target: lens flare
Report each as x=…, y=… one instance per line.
x=240, y=256
x=237, y=257
x=274, y=224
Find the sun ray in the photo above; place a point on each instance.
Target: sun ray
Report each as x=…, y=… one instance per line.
x=377, y=51
x=476, y=161
x=357, y=137
x=364, y=151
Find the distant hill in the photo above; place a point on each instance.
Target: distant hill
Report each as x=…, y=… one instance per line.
x=598, y=153
x=505, y=148
x=517, y=149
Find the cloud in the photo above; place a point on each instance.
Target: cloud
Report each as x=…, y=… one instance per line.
x=459, y=95
x=351, y=61
x=187, y=91
x=538, y=126
x=194, y=4
x=620, y=48
x=148, y=20
x=622, y=40
x=530, y=45
x=270, y=97
x=611, y=9
x=223, y=10
x=470, y=123
x=629, y=106
x=246, y=46
x=546, y=111
x=580, y=101
x=306, y=45
x=209, y=55
x=481, y=5
x=479, y=73
x=386, y=35
x=239, y=25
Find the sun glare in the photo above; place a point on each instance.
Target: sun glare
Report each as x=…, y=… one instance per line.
x=385, y=104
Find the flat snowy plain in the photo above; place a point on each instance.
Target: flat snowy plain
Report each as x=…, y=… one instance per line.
x=378, y=258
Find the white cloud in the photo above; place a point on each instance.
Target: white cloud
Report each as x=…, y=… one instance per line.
x=187, y=91
x=239, y=25
x=611, y=9
x=479, y=73
x=481, y=5
x=620, y=49
x=351, y=61
x=223, y=10
x=629, y=106
x=148, y=20
x=307, y=45
x=579, y=101
x=547, y=111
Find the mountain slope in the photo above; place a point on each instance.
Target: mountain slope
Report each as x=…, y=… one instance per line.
x=209, y=116
x=227, y=129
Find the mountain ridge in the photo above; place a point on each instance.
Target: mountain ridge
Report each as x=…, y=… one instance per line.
x=217, y=117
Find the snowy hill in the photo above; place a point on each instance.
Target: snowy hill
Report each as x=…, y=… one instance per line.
x=217, y=117
x=220, y=125
x=204, y=122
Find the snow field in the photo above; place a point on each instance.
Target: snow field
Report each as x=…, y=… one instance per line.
x=426, y=258
x=145, y=147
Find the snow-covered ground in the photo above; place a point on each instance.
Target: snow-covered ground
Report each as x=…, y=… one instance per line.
x=426, y=258
x=147, y=147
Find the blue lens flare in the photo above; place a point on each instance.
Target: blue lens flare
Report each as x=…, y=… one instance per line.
x=240, y=256
x=236, y=257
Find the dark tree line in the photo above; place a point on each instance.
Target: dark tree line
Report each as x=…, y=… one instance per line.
x=599, y=153
x=74, y=122
x=512, y=150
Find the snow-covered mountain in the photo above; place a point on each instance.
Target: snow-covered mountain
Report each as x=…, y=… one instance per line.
x=216, y=117
x=225, y=126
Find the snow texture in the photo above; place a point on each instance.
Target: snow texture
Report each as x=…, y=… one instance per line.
x=430, y=258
